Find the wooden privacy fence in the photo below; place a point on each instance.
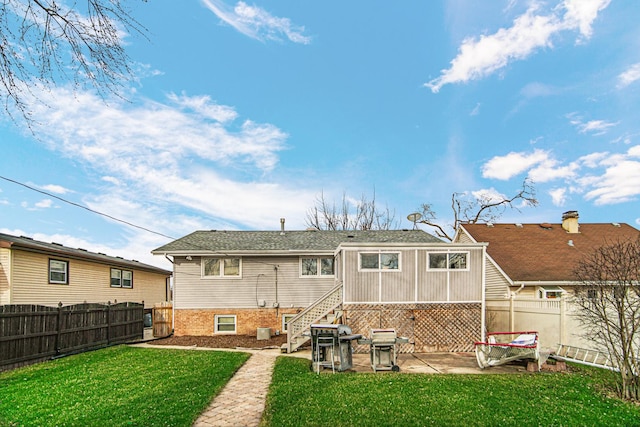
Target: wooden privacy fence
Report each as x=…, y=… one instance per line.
x=32, y=332
x=162, y=319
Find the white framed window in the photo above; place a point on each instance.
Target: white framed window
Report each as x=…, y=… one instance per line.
x=549, y=292
x=448, y=261
x=379, y=261
x=121, y=278
x=225, y=324
x=316, y=267
x=285, y=319
x=58, y=272
x=221, y=267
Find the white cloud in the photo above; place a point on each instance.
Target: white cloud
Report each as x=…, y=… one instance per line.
x=629, y=76
x=480, y=57
x=256, y=22
x=476, y=110
x=558, y=196
x=512, y=164
x=44, y=204
x=602, y=177
x=595, y=127
x=57, y=189
x=187, y=160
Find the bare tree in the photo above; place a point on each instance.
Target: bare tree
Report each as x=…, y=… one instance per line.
x=608, y=301
x=364, y=214
x=46, y=42
x=470, y=208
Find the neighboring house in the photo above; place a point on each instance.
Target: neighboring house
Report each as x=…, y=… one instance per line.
x=235, y=282
x=530, y=272
x=34, y=272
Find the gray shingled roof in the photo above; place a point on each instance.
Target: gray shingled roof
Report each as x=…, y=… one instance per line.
x=29, y=244
x=308, y=240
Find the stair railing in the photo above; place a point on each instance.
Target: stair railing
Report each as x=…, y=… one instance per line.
x=302, y=322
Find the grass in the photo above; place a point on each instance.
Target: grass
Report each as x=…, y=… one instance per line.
x=116, y=386
x=300, y=397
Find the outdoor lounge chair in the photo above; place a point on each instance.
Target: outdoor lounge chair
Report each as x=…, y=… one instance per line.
x=505, y=347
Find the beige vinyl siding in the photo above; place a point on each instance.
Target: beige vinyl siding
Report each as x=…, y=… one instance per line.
x=413, y=282
x=87, y=281
x=260, y=281
x=5, y=276
x=497, y=286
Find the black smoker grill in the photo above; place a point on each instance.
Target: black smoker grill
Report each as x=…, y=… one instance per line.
x=331, y=347
x=382, y=349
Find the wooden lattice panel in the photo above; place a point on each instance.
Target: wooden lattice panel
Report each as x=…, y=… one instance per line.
x=447, y=327
x=429, y=327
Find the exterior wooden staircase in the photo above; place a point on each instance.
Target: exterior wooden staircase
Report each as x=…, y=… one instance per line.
x=298, y=328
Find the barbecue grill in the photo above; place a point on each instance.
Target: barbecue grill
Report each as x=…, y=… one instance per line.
x=331, y=347
x=382, y=349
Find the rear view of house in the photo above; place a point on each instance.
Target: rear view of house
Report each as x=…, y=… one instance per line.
x=34, y=272
x=236, y=282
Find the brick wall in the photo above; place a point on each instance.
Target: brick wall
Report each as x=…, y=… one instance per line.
x=429, y=327
x=201, y=322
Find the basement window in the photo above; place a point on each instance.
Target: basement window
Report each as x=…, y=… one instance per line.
x=225, y=324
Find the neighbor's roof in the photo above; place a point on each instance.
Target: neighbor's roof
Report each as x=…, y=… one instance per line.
x=277, y=241
x=544, y=252
x=56, y=249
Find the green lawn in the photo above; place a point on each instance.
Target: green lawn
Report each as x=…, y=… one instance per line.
x=299, y=397
x=116, y=386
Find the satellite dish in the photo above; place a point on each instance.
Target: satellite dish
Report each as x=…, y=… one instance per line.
x=414, y=217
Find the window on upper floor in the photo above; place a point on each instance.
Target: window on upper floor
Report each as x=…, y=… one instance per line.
x=316, y=267
x=121, y=278
x=380, y=261
x=221, y=267
x=58, y=272
x=448, y=261
x=549, y=292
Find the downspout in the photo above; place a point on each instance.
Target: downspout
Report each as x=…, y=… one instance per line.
x=512, y=320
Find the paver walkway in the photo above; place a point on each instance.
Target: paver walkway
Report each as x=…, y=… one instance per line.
x=242, y=400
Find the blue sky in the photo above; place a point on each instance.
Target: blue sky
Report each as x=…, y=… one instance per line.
x=242, y=113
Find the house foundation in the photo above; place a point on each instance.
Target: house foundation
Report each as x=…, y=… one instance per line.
x=247, y=321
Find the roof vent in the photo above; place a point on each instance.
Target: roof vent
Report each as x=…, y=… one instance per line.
x=546, y=226
x=518, y=225
x=615, y=224
x=570, y=243
x=26, y=237
x=57, y=244
x=489, y=224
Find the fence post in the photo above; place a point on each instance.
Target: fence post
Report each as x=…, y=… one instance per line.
x=58, y=328
x=108, y=322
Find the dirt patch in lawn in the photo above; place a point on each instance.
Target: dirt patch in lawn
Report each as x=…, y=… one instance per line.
x=224, y=341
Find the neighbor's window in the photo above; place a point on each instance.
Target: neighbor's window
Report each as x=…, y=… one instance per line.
x=550, y=292
x=316, y=266
x=448, y=261
x=58, y=271
x=380, y=261
x=225, y=324
x=285, y=319
x=221, y=267
x=121, y=278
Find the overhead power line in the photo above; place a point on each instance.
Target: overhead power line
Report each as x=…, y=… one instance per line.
x=86, y=208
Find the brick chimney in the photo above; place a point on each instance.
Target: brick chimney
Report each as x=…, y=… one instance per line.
x=570, y=222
